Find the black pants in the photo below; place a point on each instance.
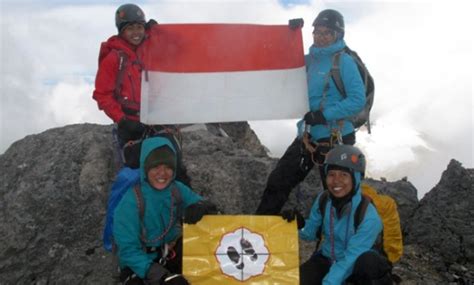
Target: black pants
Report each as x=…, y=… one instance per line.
x=174, y=265
x=370, y=268
x=291, y=169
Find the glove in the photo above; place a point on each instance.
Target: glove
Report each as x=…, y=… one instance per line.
x=175, y=279
x=289, y=216
x=156, y=274
x=314, y=118
x=195, y=212
x=129, y=130
x=150, y=24
x=296, y=23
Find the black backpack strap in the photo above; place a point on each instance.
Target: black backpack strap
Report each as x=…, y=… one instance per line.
x=360, y=211
x=336, y=73
x=359, y=216
x=323, y=199
x=141, y=212
x=123, y=58
x=177, y=201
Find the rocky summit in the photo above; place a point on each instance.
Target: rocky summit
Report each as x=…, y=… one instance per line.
x=54, y=191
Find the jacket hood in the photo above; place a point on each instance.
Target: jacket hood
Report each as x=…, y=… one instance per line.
x=357, y=178
x=148, y=145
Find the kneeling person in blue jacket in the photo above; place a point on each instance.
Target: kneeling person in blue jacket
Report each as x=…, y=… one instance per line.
x=147, y=224
x=346, y=253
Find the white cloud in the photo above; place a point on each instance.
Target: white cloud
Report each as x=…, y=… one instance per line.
x=70, y=102
x=419, y=53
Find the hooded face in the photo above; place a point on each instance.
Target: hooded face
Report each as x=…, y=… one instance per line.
x=160, y=176
x=159, y=167
x=339, y=182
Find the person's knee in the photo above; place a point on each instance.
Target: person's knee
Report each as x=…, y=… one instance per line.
x=128, y=277
x=313, y=271
x=372, y=266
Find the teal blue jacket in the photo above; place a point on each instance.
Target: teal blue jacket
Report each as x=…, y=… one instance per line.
x=127, y=228
x=334, y=106
x=348, y=244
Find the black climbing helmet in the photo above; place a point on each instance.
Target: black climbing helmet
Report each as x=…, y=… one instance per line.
x=331, y=19
x=128, y=14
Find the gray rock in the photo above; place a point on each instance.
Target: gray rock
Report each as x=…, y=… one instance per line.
x=443, y=222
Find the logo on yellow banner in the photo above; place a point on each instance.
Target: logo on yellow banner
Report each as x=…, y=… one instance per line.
x=242, y=254
x=241, y=250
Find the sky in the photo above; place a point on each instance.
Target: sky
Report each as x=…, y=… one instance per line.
x=420, y=54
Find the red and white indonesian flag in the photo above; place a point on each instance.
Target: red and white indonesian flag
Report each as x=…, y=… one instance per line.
x=199, y=73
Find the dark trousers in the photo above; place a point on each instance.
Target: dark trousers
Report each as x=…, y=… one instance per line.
x=291, y=169
x=174, y=265
x=370, y=268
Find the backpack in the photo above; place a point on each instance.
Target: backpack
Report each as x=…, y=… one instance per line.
x=363, y=117
x=391, y=244
x=127, y=178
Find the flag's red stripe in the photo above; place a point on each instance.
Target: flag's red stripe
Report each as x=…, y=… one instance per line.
x=222, y=47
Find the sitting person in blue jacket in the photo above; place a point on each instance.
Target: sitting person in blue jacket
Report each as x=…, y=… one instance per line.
x=147, y=221
x=346, y=253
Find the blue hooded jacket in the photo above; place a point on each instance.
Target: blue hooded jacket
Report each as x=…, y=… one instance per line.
x=348, y=244
x=334, y=106
x=156, y=219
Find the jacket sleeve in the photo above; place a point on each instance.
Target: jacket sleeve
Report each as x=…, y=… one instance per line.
x=313, y=223
x=189, y=196
x=360, y=242
x=355, y=91
x=127, y=236
x=105, y=86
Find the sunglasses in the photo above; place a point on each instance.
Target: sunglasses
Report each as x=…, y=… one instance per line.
x=324, y=33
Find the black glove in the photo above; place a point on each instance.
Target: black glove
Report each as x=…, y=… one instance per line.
x=289, y=216
x=175, y=279
x=150, y=24
x=314, y=118
x=296, y=23
x=129, y=130
x=156, y=274
x=194, y=212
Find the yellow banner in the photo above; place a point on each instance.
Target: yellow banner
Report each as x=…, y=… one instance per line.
x=241, y=250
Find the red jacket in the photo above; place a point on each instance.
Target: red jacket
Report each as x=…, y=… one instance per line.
x=127, y=103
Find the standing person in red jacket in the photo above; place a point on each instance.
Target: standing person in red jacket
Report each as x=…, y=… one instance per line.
x=118, y=85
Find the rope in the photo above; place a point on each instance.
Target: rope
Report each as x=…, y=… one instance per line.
x=312, y=147
x=160, y=237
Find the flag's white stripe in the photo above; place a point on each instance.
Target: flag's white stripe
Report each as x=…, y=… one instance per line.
x=176, y=98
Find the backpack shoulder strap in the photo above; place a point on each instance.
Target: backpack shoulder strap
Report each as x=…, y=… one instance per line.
x=140, y=201
x=122, y=58
x=178, y=200
x=323, y=199
x=141, y=211
x=336, y=73
x=360, y=211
